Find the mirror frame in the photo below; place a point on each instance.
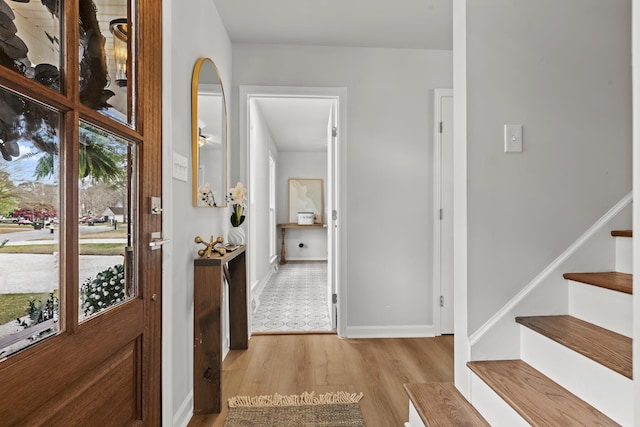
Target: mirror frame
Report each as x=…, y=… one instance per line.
x=195, y=152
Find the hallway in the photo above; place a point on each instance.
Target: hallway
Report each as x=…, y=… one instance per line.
x=294, y=300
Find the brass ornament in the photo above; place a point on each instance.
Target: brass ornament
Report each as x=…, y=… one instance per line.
x=214, y=246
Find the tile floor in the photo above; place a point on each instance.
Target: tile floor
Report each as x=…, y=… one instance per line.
x=294, y=300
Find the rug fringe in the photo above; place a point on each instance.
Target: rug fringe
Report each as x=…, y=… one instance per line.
x=340, y=397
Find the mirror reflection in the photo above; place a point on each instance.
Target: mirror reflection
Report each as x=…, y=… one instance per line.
x=209, y=129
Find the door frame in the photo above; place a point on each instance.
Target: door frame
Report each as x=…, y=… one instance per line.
x=247, y=93
x=438, y=237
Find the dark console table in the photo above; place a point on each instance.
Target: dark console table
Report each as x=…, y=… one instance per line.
x=209, y=275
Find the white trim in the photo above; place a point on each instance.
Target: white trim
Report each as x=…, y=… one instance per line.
x=462, y=353
x=635, y=58
x=404, y=331
x=438, y=94
x=550, y=269
x=257, y=286
x=166, y=368
x=184, y=412
x=340, y=94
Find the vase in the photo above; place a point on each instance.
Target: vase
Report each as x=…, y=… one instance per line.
x=236, y=236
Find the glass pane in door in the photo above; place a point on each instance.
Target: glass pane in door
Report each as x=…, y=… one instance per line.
x=107, y=45
x=29, y=218
x=30, y=40
x=106, y=226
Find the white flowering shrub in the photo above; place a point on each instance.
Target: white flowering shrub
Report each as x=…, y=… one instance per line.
x=104, y=291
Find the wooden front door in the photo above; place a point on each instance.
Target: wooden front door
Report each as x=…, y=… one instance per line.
x=80, y=138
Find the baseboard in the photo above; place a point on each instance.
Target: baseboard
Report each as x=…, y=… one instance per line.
x=405, y=331
x=257, y=287
x=306, y=259
x=182, y=417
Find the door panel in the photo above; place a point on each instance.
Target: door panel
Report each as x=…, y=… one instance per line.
x=104, y=370
x=118, y=406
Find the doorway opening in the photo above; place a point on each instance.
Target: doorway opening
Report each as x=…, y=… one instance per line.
x=291, y=140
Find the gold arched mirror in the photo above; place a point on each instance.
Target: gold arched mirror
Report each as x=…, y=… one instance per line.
x=209, y=136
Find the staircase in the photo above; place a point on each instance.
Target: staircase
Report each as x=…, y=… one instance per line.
x=574, y=369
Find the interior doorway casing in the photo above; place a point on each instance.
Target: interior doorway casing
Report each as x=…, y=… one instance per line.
x=247, y=94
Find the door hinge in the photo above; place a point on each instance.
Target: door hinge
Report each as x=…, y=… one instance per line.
x=441, y=214
x=334, y=131
x=441, y=125
x=441, y=301
x=334, y=215
x=334, y=298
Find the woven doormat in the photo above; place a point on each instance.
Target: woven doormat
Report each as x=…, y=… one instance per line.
x=339, y=409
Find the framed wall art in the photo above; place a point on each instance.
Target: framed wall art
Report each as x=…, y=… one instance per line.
x=305, y=195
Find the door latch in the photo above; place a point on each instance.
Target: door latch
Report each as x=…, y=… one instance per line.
x=157, y=241
x=156, y=205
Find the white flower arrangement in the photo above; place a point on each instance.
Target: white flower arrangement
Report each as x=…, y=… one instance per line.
x=103, y=291
x=238, y=199
x=206, y=196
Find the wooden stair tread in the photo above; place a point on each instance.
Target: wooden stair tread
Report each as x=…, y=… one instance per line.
x=601, y=345
x=538, y=399
x=622, y=233
x=441, y=404
x=621, y=282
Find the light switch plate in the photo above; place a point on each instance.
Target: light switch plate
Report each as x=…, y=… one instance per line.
x=513, y=138
x=180, y=167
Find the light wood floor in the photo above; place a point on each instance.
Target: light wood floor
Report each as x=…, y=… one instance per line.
x=292, y=364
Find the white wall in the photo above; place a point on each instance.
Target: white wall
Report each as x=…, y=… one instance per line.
x=190, y=30
x=563, y=70
x=389, y=169
x=296, y=164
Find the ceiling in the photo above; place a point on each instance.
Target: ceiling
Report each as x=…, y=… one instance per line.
x=403, y=24
x=298, y=124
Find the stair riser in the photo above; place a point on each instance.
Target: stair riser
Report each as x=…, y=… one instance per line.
x=609, y=309
x=606, y=390
x=414, y=417
x=624, y=255
x=493, y=408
